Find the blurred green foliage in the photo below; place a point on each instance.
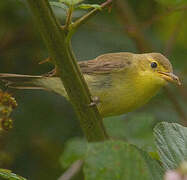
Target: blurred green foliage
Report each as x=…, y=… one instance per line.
x=44, y=122
x=172, y=2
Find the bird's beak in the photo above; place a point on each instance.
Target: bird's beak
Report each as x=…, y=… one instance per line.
x=168, y=76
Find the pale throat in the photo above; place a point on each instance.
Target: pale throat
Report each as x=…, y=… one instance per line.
x=149, y=83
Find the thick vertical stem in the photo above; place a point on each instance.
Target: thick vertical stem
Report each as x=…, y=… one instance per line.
x=62, y=55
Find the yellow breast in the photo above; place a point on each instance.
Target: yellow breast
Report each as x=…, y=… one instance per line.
x=123, y=94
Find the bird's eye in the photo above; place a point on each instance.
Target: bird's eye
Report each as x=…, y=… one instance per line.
x=154, y=65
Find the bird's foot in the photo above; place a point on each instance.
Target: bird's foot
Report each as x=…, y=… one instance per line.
x=95, y=101
x=51, y=73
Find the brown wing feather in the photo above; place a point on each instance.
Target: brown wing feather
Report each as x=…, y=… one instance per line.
x=106, y=63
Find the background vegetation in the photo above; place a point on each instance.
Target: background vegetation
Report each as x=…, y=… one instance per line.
x=34, y=146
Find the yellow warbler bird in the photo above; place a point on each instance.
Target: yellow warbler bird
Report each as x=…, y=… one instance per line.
x=121, y=81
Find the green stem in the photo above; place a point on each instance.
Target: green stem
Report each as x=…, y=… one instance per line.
x=87, y=16
x=69, y=17
x=73, y=81
x=73, y=27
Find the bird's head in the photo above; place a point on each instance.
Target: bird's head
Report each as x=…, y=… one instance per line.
x=157, y=66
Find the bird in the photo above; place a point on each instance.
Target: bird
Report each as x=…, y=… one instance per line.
x=119, y=82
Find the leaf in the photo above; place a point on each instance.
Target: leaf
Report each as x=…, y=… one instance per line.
x=136, y=128
x=70, y=2
x=171, y=141
x=59, y=5
x=119, y=160
x=89, y=6
x=7, y=174
x=75, y=149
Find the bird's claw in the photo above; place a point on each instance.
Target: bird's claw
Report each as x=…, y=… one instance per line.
x=51, y=73
x=95, y=101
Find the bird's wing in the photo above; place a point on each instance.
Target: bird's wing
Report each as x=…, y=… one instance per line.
x=106, y=63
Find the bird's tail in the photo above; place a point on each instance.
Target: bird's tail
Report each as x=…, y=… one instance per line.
x=45, y=82
x=18, y=81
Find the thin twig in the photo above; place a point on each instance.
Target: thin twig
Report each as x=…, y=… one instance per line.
x=72, y=171
x=87, y=16
x=131, y=26
x=69, y=17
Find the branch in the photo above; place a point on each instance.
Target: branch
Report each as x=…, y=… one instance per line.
x=69, y=17
x=60, y=51
x=131, y=26
x=87, y=16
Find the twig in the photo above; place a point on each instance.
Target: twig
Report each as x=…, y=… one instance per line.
x=69, y=17
x=87, y=16
x=72, y=171
x=131, y=26
x=61, y=54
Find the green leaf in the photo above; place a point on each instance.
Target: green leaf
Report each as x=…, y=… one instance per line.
x=171, y=141
x=172, y=2
x=119, y=160
x=136, y=129
x=7, y=174
x=75, y=149
x=59, y=5
x=70, y=2
x=89, y=6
